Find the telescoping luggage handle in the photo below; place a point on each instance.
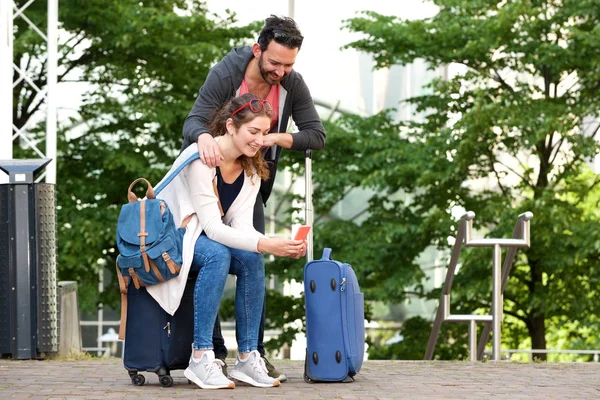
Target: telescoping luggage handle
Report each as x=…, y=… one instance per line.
x=308, y=210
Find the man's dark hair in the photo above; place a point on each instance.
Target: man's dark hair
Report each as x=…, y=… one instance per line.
x=281, y=29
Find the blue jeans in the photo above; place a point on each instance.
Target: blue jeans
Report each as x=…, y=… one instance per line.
x=215, y=261
x=218, y=341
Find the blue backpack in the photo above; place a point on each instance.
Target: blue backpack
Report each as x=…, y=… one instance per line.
x=150, y=244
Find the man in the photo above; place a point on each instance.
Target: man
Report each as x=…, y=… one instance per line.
x=265, y=70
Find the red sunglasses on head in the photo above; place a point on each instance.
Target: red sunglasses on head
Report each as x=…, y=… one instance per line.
x=255, y=106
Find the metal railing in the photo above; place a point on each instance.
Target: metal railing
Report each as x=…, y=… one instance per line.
x=531, y=352
x=499, y=277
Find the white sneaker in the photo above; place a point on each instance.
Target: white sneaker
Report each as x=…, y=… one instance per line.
x=207, y=373
x=252, y=370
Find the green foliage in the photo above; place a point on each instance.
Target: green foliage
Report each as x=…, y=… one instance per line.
x=290, y=318
x=512, y=132
x=452, y=342
x=141, y=64
x=285, y=313
x=361, y=146
x=501, y=138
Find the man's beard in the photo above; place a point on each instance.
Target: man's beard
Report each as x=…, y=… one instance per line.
x=266, y=75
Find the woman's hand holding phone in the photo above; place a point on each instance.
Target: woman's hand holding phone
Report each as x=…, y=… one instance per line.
x=293, y=248
x=302, y=233
x=282, y=247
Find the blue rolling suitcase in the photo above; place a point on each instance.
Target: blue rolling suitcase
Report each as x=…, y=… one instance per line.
x=335, y=327
x=155, y=341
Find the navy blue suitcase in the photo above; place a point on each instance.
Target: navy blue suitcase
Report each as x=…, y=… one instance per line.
x=335, y=324
x=155, y=341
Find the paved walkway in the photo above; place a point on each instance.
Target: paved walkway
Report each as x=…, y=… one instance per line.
x=107, y=379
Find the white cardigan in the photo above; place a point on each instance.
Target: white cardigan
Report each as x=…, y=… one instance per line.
x=191, y=192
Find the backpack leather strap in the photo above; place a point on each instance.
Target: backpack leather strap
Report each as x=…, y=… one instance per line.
x=156, y=271
x=174, y=268
x=123, y=284
x=137, y=282
x=142, y=234
x=149, y=191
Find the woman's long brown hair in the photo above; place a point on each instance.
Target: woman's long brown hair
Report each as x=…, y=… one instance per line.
x=218, y=127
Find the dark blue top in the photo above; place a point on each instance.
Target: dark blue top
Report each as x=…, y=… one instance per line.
x=228, y=191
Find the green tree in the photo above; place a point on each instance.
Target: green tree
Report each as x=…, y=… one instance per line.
x=414, y=336
x=142, y=63
x=513, y=132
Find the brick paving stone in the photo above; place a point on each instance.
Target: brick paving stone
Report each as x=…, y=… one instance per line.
x=106, y=379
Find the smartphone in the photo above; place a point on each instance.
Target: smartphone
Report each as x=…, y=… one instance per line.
x=302, y=232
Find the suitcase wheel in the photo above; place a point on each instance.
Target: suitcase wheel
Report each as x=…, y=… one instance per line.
x=138, y=380
x=166, y=381
x=307, y=379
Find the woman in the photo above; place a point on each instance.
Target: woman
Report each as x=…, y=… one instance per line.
x=228, y=243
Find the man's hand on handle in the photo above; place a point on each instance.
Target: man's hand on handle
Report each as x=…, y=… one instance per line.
x=284, y=140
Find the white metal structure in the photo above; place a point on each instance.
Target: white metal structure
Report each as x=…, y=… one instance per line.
x=500, y=273
x=8, y=131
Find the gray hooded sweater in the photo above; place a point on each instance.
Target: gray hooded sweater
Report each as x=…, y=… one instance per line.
x=223, y=83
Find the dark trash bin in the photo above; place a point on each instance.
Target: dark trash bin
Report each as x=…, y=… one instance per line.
x=28, y=294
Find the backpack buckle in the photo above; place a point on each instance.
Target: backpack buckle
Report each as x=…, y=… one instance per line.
x=165, y=256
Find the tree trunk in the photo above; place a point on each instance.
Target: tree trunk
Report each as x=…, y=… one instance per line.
x=537, y=317
x=537, y=332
